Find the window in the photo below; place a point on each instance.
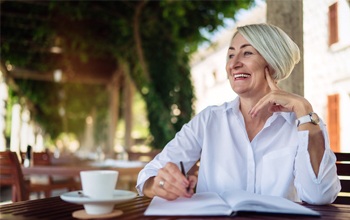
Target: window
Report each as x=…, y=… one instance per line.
x=333, y=24
x=333, y=122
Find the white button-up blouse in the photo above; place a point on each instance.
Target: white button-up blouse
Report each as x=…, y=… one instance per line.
x=276, y=162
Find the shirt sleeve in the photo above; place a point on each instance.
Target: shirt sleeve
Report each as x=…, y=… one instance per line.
x=324, y=188
x=185, y=147
x=151, y=169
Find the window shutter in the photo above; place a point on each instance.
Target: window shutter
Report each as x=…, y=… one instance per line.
x=333, y=122
x=333, y=24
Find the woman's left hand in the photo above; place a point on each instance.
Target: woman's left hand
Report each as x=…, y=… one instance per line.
x=278, y=100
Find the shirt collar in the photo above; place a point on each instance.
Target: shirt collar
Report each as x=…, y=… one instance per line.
x=234, y=105
x=288, y=116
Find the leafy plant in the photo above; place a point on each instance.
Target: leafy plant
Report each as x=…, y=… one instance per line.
x=150, y=41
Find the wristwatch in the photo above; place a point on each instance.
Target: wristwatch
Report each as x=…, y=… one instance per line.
x=311, y=117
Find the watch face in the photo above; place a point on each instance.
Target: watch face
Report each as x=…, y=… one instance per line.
x=314, y=118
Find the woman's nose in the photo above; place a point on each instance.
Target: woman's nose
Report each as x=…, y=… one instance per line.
x=235, y=62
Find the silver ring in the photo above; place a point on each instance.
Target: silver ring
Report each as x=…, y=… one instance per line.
x=161, y=183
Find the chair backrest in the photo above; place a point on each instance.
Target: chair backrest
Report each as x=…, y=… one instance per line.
x=11, y=175
x=140, y=156
x=343, y=170
x=41, y=158
x=23, y=156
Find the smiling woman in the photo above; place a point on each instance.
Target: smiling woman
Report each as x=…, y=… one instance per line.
x=251, y=143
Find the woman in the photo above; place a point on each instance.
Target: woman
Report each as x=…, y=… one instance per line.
x=266, y=141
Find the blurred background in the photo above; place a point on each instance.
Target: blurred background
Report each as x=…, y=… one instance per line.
x=110, y=78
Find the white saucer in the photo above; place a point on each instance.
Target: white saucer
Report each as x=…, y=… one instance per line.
x=118, y=196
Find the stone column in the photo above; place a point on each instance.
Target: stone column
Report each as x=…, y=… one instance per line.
x=114, y=89
x=128, y=111
x=288, y=15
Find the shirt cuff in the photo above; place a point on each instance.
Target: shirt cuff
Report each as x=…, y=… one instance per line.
x=144, y=175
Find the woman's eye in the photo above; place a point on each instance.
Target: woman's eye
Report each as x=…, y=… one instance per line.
x=230, y=56
x=246, y=53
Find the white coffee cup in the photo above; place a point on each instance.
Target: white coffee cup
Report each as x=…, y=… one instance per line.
x=99, y=185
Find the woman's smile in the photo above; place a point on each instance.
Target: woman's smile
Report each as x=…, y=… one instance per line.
x=241, y=76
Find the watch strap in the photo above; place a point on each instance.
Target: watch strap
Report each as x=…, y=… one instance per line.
x=311, y=117
x=303, y=119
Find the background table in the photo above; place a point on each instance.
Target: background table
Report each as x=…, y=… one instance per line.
x=55, y=208
x=128, y=171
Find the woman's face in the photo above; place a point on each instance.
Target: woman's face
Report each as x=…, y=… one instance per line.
x=246, y=68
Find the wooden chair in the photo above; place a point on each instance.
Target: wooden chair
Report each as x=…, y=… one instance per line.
x=343, y=170
x=44, y=159
x=141, y=156
x=41, y=158
x=11, y=175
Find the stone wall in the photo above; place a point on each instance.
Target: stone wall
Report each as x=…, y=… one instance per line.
x=327, y=69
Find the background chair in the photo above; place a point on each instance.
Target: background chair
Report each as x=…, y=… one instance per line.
x=11, y=175
x=141, y=156
x=56, y=182
x=41, y=158
x=343, y=170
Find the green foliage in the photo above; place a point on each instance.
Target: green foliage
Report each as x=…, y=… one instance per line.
x=12, y=99
x=169, y=31
x=77, y=100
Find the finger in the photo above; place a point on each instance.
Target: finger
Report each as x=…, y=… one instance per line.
x=278, y=108
x=174, y=181
x=260, y=105
x=271, y=99
x=176, y=174
x=193, y=182
x=160, y=189
x=182, y=183
x=270, y=81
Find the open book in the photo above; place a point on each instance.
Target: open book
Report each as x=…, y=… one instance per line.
x=226, y=204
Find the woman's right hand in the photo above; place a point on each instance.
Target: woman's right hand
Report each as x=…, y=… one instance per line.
x=170, y=183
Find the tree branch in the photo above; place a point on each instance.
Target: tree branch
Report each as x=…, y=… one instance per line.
x=138, y=41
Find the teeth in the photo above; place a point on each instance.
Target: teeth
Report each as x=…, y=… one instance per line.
x=241, y=76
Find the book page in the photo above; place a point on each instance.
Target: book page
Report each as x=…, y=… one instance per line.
x=200, y=204
x=245, y=201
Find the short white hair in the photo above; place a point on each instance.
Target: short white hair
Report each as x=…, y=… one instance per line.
x=274, y=45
